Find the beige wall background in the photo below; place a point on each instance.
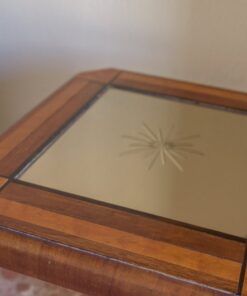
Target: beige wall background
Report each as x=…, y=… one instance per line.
x=43, y=43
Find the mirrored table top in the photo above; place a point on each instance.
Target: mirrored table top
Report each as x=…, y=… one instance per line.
x=161, y=156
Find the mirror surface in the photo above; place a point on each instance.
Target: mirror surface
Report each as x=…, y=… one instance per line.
x=156, y=155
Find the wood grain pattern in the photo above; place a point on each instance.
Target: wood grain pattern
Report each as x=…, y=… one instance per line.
x=107, y=250
x=43, y=111
x=102, y=76
x=196, y=92
x=245, y=285
x=116, y=254
x=3, y=181
x=27, y=137
x=221, y=268
x=129, y=221
x=88, y=272
x=154, y=254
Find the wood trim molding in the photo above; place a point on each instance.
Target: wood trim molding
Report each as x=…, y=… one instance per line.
x=191, y=91
x=101, y=76
x=42, y=123
x=88, y=272
x=82, y=229
x=46, y=120
x=107, y=250
x=3, y=181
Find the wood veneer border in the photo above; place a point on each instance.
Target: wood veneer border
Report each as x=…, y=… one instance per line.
x=156, y=228
x=23, y=211
x=130, y=211
x=88, y=272
x=197, y=93
x=92, y=85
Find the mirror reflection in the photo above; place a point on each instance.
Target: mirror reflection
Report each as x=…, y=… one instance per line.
x=156, y=155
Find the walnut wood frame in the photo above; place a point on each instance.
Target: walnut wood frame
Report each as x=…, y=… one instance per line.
x=96, y=248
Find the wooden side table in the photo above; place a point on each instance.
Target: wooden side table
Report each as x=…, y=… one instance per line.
x=100, y=247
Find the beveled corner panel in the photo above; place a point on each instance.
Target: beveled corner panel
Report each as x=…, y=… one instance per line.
x=106, y=250
x=105, y=76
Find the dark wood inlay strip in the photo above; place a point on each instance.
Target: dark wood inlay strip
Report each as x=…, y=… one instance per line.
x=186, y=259
x=120, y=254
x=21, y=152
x=38, y=115
x=87, y=272
x=126, y=221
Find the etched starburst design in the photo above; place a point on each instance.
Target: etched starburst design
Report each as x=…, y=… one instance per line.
x=157, y=145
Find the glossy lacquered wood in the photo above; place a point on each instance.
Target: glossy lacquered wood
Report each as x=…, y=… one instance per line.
x=93, y=247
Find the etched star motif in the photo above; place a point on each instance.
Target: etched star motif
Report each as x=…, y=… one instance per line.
x=157, y=146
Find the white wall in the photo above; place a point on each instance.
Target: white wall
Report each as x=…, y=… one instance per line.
x=45, y=42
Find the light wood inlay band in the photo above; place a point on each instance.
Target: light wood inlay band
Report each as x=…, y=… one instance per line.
x=3, y=181
x=222, y=268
